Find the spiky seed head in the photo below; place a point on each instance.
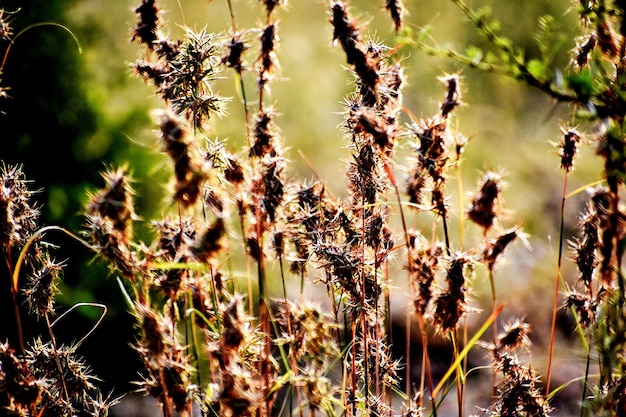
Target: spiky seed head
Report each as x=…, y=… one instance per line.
x=42, y=286
x=209, y=243
x=396, y=10
x=568, y=147
x=147, y=28
x=453, y=93
x=514, y=335
x=483, y=209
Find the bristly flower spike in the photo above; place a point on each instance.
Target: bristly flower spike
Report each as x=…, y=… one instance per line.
x=496, y=247
x=148, y=26
x=515, y=335
x=568, y=147
x=396, y=10
x=42, y=287
x=483, y=210
x=453, y=94
x=18, y=215
x=236, y=47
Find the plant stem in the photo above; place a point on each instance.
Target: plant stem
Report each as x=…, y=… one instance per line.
x=556, y=286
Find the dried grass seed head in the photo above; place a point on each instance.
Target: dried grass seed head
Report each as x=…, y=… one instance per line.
x=209, y=243
x=346, y=31
x=270, y=5
x=264, y=134
x=153, y=335
x=495, y=247
x=147, y=29
x=584, y=306
x=273, y=186
x=451, y=304
x=515, y=335
x=6, y=30
x=396, y=10
x=189, y=169
x=453, y=93
x=64, y=372
x=236, y=47
x=585, y=249
x=425, y=265
x=431, y=147
x=114, y=203
x=41, y=286
x=483, y=210
x=173, y=235
x=18, y=215
x=568, y=147
x=381, y=132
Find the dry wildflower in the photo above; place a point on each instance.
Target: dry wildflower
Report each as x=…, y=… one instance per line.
x=147, y=28
x=568, y=147
x=483, y=209
x=41, y=286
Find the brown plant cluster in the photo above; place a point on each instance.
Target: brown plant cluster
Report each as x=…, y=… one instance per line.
x=219, y=293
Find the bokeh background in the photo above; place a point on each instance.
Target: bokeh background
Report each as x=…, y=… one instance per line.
x=72, y=113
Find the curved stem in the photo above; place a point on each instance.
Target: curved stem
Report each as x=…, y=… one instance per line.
x=27, y=28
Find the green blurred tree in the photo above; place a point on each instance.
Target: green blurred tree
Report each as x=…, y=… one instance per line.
x=53, y=126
